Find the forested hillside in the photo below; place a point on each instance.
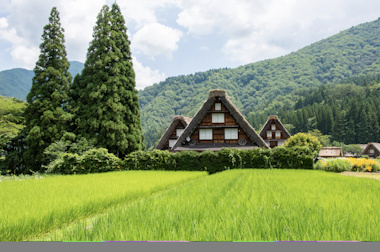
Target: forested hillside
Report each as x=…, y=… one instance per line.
x=267, y=85
x=17, y=82
x=348, y=111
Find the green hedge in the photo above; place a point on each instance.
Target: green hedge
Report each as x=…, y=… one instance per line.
x=216, y=161
x=92, y=161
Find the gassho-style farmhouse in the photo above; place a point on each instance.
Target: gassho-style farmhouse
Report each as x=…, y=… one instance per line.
x=217, y=124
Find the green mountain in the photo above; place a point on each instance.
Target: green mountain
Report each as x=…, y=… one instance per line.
x=17, y=82
x=266, y=85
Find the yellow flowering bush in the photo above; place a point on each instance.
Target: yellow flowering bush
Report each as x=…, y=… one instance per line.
x=347, y=164
x=363, y=164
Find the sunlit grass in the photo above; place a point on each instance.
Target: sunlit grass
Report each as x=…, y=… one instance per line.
x=32, y=207
x=245, y=205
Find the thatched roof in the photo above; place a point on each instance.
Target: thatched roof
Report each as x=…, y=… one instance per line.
x=185, y=121
x=331, y=152
x=220, y=95
x=369, y=145
x=282, y=127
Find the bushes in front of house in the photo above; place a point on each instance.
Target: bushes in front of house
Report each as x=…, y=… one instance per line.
x=91, y=161
x=347, y=164
x=216, y=161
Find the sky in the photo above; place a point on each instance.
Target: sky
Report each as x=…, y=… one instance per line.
x=180, y=37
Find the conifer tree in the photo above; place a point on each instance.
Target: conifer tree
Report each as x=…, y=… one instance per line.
x=350, y=132
x=46, y=111
x=338, y=130
x=362, y=132
x=107, y=103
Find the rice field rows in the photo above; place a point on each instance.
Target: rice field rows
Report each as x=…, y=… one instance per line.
x=32, y=207
x=245, y=205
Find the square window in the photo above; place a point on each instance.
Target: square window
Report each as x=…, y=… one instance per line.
x=205, y=134
x=231, y=133
x=171, y=143
x=179, y=132
x=218, y=118
x=273, y=126
x=371, y=151
x=269, y=134
x=278, y=134
x=218, y=106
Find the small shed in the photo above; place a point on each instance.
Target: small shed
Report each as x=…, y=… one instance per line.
x=372, y=150
x=331, y=152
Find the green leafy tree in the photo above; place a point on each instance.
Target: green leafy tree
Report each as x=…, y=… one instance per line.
x=46, y=112
x=353, y=149
x=11, y=119
x=303, y=139
x=105, y=95
x=362, y=132
x=323, y=139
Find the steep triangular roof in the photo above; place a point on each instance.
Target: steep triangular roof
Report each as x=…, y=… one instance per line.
x=282, y=127
x=375, y=145
x=185, y=121
x=222, y=96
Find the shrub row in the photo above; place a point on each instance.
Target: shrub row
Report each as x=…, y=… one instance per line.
x=92, y=161
x=281, y=158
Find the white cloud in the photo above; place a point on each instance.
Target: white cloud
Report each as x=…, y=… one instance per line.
x=145, y=76
x=25, y=56
x=155, y=39
x=257, y=29
x=3, y=23
x=203, y=48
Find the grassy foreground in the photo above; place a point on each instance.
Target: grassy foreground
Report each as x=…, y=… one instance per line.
x=32, y=207
x=245, y=205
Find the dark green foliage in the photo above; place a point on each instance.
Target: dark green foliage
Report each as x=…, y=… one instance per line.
x=104, y=98
x=217, y=161
x=188, y=161
x=92, y=161
x=292, y=158
x=46, y=112
x=354, y=149
x=150, y=160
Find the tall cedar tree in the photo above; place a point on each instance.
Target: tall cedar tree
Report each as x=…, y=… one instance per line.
x=107, y=109
x=46, y=111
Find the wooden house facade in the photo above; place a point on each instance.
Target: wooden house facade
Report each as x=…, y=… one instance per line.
x=274, y=132
x=217, y=124
x=372, y=150
x=172, y=133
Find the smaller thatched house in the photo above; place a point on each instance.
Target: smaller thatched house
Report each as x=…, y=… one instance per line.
x=372, y=150
x=274, y=132
x=331, y=152
x=173, y=132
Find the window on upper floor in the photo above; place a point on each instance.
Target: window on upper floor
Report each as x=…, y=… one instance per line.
x=218, y=118
x=218, y=106
x=273, y=127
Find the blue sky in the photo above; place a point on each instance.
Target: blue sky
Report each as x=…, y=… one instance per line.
x=179, y=37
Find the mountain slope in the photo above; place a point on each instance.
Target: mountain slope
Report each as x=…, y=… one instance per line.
x=17, y=82
x=253, y=86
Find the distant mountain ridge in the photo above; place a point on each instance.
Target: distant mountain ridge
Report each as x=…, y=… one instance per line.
x=18, y=81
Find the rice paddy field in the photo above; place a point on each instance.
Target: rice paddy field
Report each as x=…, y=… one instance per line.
x=244, y=205
x=32, y=207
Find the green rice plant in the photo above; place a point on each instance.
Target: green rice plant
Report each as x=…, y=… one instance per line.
x=33, y=207
x=244, y=205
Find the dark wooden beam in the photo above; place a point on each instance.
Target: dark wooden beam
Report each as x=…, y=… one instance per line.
x=218, y=111
x=218, y=126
